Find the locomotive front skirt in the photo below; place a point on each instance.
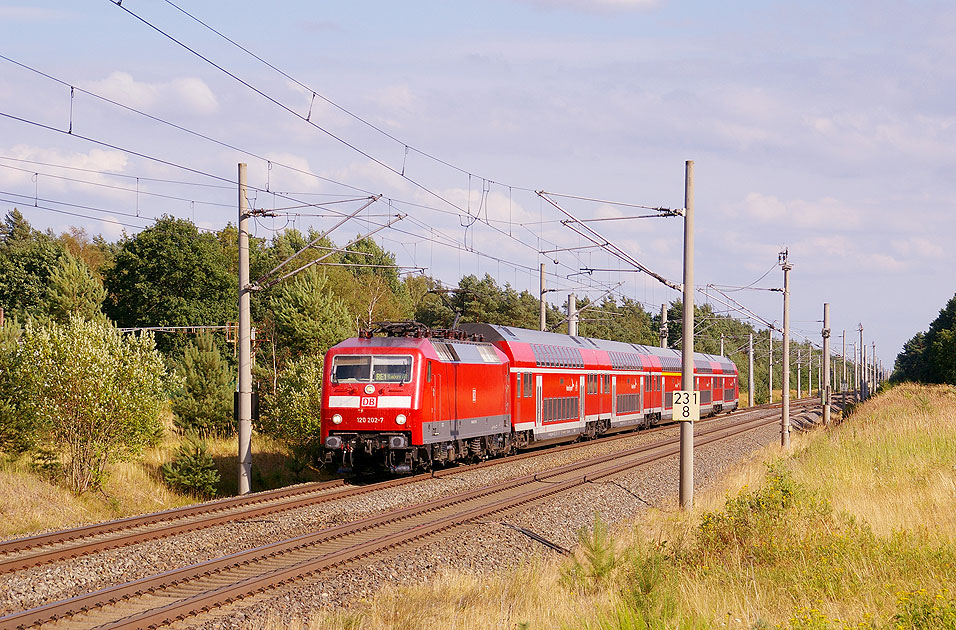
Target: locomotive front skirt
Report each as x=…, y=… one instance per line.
x=411, y=402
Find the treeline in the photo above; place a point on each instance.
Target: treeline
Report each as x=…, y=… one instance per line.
x=930, y=356
x=97, y=394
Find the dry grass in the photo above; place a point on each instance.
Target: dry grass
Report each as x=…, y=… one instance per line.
x=854, y=529
x=30, y=503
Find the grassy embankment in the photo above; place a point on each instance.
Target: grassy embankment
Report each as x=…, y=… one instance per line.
x=856, y=528
x=29, y=502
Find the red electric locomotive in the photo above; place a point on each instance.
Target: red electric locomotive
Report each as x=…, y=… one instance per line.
x=415, y=398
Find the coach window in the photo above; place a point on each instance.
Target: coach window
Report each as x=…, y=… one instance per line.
x=428, y=372
x=528, y=392
x=517, y=386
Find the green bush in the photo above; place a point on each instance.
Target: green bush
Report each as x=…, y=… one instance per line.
x=96, y=394
x=293, y=413
x=192, y=469
x=920, y=609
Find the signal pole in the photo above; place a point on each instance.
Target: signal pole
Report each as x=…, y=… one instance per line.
x=750, y=373
x=687, y=342
x=663, y=330
x=721, y=344
x=245, y=342
x=826, y=364
x=785, y=403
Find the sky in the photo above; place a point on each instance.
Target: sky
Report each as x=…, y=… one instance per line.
x=823, y=128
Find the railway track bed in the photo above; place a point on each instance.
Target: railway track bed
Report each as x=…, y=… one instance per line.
x=436, y=520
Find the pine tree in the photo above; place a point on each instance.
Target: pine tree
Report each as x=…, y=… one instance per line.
x=73, y=290
x=192, y=470
x=308, y=319
x=203, y=404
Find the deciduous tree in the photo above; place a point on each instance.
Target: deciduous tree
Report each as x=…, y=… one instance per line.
x=171, y=275
x=97, y=393
x=293, y=413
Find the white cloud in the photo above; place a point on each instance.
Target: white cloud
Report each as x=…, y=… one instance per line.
x=286, y=179
x=395, y=97
x=919, y=247
x=111, y=229
x=189, y=93
x=94, y=160
x=823, y=214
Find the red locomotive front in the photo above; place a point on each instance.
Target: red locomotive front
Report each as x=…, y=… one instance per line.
x=409, y=400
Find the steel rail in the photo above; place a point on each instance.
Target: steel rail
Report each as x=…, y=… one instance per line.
x=120, y=533
x=222, y=594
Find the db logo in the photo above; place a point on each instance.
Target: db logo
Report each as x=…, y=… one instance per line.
x=368, y=401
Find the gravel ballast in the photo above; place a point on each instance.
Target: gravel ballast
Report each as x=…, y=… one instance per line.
x=484, y=547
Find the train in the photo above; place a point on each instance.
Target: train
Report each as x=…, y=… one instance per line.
x=407, y=398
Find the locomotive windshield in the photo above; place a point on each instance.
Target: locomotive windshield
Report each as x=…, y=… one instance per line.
x=366, y=368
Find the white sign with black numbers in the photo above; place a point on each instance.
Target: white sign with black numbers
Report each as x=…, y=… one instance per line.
x=686, y=406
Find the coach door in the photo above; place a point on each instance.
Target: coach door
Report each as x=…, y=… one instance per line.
x=537, y=400
x=640, y=390
x=582, y=411
x=613, y=397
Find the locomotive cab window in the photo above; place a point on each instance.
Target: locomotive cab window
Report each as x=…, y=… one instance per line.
x=371, y=369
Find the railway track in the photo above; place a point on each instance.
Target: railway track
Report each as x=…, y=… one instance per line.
x=61, y=545
x=167, y=597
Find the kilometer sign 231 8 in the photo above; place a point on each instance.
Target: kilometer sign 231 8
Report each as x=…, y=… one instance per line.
x=686, y=406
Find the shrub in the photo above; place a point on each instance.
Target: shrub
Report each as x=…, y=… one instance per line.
x=919, y=609
x=293, y=413
x=753, y=521
x=192, y=469
x=596, y=559
x=97, y=394
x=18, y=421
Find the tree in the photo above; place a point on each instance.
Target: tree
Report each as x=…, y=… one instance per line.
x=171, y=275
x=203, y=404
x=940, y=352
x=930, y=357
x=97, y=394
x=27, y=259
x=368, y=252
x=307, y=318
x=293, y=413
x=95, y=251
x=18, y=420
x=909, y=364
x=73, y=290
x=192, y=469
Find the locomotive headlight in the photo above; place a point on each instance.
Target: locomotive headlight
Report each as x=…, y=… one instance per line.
x=369, y=389
x=401, y=419
x=337, y=419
